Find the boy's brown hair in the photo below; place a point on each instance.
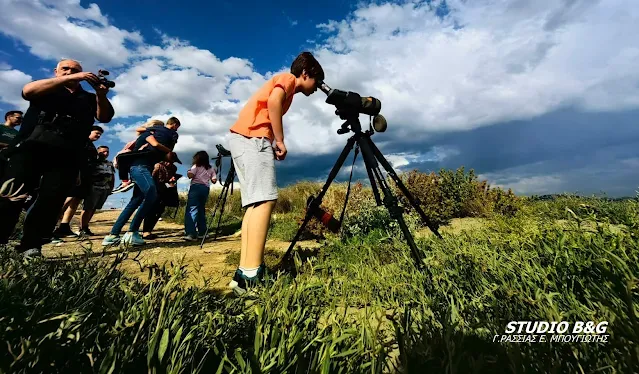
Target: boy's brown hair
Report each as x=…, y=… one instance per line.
x=306, y=62
x=172, y=121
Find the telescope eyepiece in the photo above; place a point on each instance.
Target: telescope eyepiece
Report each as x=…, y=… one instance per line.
x=324, y=87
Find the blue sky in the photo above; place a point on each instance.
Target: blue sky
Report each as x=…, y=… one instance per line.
x=541, y=97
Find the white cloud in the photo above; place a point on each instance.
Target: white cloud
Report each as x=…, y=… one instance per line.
x=510, y=60
x=11, y=83
x=483, y=63
x=525, y=185
x=149, y=87
x=181, y=54
x=436, y=154
x=66, y=29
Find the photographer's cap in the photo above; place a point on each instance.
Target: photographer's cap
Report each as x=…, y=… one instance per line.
x=176, y=158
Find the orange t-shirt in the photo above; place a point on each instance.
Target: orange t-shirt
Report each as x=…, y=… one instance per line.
x=253, y=120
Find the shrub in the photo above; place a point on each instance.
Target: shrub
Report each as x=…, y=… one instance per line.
x=456, y=194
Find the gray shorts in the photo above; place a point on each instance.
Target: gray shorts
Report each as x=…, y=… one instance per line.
x=254, y=160
x=95, y=199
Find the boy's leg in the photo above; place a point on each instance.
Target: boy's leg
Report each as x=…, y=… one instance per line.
x=254, y=162
x=142, y=178
x=258, y=229
x=66, y=215
x=72, y=207
x=246, y=222
x=95, y=200
x=127, y=212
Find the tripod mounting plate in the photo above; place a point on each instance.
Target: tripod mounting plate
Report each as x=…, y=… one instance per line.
x=223, y=151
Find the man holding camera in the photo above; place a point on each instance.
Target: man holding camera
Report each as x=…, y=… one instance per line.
x=49, y=149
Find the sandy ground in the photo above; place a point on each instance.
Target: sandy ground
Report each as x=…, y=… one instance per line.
x=210, y=261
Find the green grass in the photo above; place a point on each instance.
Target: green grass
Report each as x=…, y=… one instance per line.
x=357, y=305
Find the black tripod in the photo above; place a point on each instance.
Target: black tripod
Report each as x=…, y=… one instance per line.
x=221, y=200
x=372, y=158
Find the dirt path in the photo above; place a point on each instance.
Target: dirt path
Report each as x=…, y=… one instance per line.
x=212, y=259
x=215, y=261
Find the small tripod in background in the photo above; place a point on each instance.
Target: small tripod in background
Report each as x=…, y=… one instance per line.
x=221, y=200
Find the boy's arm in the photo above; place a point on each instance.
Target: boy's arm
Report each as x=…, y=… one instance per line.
x=275, y=108
x=151, y=140
x=275, y=105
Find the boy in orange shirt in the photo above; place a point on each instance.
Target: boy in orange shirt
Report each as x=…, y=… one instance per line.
x=257, y=139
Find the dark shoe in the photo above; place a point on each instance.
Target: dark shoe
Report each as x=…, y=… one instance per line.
x=86, y=232
x=64, y=231
x=241, y=283
x=149, y=237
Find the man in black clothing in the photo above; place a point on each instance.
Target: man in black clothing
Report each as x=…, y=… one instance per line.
x=49, y=149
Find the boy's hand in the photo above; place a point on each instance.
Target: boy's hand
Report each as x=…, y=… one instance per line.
x=280, y=151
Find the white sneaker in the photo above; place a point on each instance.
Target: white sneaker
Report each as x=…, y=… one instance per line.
x=123, y=187
x=133, y=238
x=111, y=240
x=189, y=238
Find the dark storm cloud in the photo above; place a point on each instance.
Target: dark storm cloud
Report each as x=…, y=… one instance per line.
x=565, y=151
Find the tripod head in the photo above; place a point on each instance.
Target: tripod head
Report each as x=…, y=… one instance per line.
x=350, y=105
x=222, y=152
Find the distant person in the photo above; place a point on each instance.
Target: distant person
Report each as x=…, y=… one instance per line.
x=8, y=132
x=102, y=182
x=165, y=178
x=201, y=175
x=48, y=150
x=254, y=136
x=158, y=142
x=125, y=183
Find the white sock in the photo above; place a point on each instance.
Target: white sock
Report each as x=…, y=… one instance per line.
x=252, y=272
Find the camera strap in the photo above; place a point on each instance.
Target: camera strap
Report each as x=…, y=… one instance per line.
x=348, y=189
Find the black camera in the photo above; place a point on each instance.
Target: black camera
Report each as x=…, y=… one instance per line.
x=102, y=77
x=350, y=104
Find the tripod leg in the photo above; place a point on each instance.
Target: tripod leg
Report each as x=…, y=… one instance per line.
x=208, y=227
x=317, y=201
x=390, y=201
x=371, y=164
x=382, y=160
x=222, y=198
x=219, y=220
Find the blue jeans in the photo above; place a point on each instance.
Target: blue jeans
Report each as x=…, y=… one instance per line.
x=144, y=196
x=194, y=213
